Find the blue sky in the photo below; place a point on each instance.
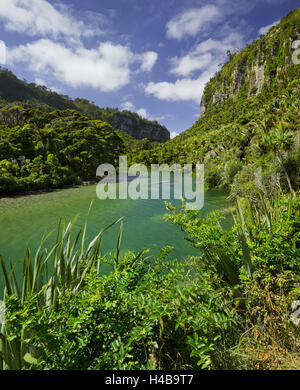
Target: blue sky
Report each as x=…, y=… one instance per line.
x=149, y=56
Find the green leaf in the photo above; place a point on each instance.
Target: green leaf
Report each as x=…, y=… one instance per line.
x=30, y=359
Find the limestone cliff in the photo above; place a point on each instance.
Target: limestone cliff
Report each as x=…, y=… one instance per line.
x=127, y=121
x=139, y=127
x=258, y=65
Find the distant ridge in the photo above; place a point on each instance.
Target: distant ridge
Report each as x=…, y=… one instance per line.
x=13, y=89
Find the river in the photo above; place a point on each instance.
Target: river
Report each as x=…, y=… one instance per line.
x=26, y=219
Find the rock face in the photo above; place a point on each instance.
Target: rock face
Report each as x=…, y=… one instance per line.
x=252, y=77
x=139, y=127
x=257, y=79
x=126, y=121
x=258, y=65
x=239, y=78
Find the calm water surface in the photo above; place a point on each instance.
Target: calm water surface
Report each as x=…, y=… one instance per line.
x=26, y=219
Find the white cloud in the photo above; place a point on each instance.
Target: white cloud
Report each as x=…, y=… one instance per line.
x=189, y=63
x=41, y=82
x=201, y=56
x=128, y=105
x=204, y=58
x=107, y=68
x=148, y=60
x=39, y=17
x=192, y=21
x=173, y=134
x=180, y=90
x=265, y=29
x=143, y=113
x=2, y=53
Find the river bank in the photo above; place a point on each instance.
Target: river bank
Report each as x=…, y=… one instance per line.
x=63, y=187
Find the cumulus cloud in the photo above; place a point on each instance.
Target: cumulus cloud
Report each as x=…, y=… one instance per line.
x=128, y=105
x=192, y=21
x=194, y=69
x=42, y=82
x=265, y=29
x=204, y=58
x=107, y=67
x=180, y=90
x=143, y=113
x=39, y=17
x=148, y=60
x=201, y=56
x=60, y=52
x=2, y=53
x=189, y=63
x=173, y=134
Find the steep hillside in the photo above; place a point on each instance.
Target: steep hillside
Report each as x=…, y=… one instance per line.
x=248, y=133
x=127, y=121
x=260, y=64
x=41, y=149
x=14, y=90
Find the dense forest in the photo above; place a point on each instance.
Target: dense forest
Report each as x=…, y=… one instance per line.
x=41, y=149
x=48, y=140
x=230, y=307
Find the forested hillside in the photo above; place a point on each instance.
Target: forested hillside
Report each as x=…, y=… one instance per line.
x=248, y=133
x=41, y=149
x=125, y=121
x=48, y=140
x=14, y=90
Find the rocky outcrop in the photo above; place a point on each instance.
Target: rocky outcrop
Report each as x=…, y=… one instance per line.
x=139, y=127
x=203, y=106
x=125, y=121
x=239, y=77
x=254, y=76
x=265, y=61
x=257, y=79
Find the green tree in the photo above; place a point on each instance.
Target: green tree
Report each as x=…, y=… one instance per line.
x=280, y=141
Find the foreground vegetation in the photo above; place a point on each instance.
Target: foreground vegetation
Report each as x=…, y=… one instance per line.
x=228, y=308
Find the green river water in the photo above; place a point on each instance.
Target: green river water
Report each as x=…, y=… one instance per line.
x=26, y=219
